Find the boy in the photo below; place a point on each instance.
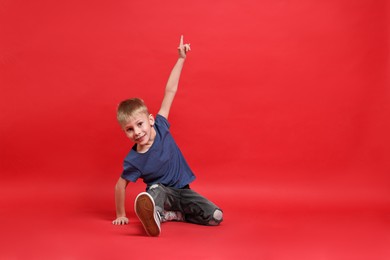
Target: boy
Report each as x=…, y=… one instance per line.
x=157, y=160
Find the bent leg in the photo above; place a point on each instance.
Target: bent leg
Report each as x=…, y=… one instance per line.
x=199, y=210
x=167, y=201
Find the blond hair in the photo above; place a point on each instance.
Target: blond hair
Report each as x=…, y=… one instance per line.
x=129, y=107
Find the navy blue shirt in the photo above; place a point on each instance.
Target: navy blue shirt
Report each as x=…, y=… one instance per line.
x=162, y=163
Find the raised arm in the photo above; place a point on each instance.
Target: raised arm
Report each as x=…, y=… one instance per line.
x=173, y=80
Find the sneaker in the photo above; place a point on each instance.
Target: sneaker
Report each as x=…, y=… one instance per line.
x=172, y=216
x=146, y=211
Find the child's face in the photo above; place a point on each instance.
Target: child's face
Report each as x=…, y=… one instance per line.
x=139, y=129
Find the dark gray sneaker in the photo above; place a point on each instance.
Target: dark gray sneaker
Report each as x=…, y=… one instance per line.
x=146, y=211
x=172, y=216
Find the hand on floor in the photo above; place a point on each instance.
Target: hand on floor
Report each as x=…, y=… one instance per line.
x=121, y=221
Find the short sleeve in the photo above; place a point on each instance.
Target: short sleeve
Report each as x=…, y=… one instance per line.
x=162, y=121
x=130, y=173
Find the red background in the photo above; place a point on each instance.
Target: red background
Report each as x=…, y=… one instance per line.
x=283, y=113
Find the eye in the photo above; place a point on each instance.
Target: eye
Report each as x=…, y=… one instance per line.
x=140, y=123
x=129, y=129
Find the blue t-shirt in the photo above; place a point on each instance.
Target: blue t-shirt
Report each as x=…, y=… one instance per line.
x=162, y=163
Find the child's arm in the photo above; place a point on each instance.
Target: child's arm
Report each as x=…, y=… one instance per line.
x=173, y=80
x=120, y=194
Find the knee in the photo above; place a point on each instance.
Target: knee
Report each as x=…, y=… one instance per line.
x=154, y=186
x=216, y=218
x=155, y=189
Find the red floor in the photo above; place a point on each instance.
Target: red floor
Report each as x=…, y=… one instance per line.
x=265, y=220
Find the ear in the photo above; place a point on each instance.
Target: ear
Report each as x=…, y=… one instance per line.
x=151, y=120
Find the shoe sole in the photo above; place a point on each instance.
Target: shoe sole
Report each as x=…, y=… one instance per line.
x=145, y=209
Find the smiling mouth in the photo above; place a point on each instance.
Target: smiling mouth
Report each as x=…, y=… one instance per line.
x=139, y=138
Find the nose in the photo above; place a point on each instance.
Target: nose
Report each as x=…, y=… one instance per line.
x=137, y=131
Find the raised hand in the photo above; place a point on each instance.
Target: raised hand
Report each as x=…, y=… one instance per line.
x=183, y=48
